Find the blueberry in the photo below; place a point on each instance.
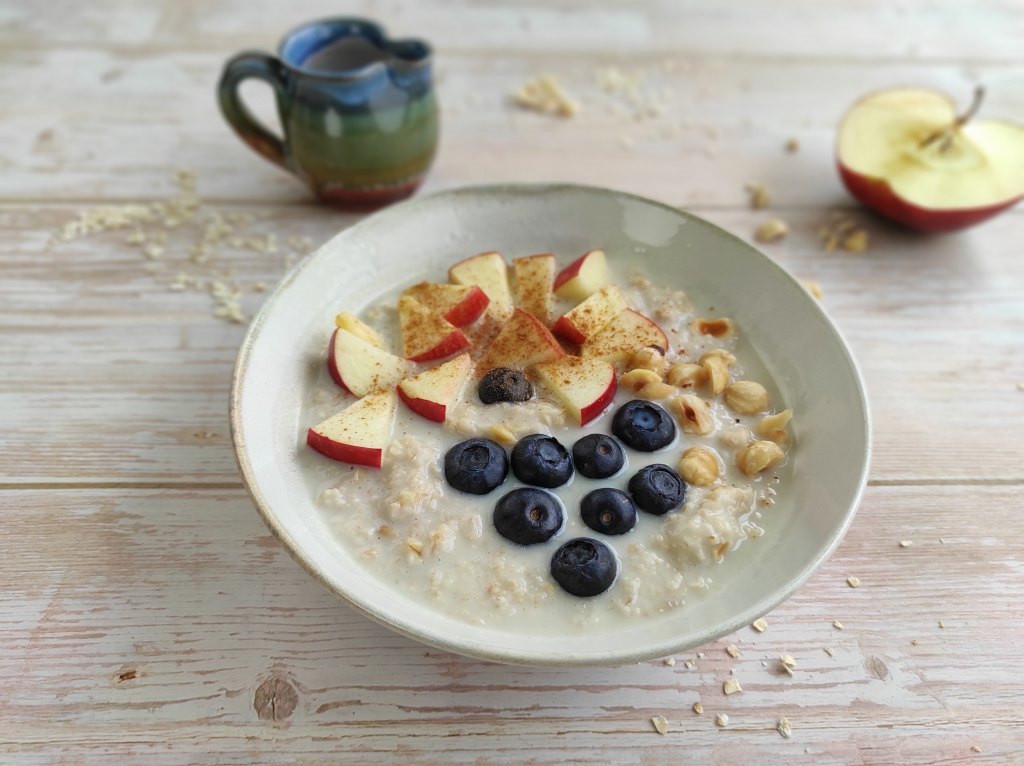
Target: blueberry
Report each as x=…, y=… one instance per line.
x=527, y=516
x=657, y=489
x=503, y=384
x=584, y=567
x=598, y=456
x=608, y=510
x=643, y=426
x=476, y=466
x=542, y=461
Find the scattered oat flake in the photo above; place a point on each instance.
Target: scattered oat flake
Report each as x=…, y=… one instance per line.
x=543, y=94
x=670, y=661
x=772, y=230
x=830, y=652
x=722, y=720
x=792, y=145
x=813, y=288
x=759, y=625
x=758, y=195
x=698, y=708
x=788, y=663
x=837, y=625
x=691, y=664
x=732, y=651
x=942, y=624
x=785, y=728
x=906, y=543
x=853, y=582
x=731, y=686
x=660, y=724
x=975, y=749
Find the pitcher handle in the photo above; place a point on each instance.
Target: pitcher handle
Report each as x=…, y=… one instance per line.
x=262, y=67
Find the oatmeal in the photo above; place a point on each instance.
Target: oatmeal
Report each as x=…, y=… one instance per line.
x=652, y=502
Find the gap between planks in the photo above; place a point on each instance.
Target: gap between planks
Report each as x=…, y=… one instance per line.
x=213, y=485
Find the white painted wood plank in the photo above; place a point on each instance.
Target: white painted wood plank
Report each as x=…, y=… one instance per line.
x=115, y=123
x=855, y=29
x=187, y=591
x=126, y=380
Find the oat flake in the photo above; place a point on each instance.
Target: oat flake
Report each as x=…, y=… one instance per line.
x=698, y=708
x=837, y=625
x=670, y=661
x=853, y=582
x=732, y=651
x=731, y=686
x=660, y=724
x=759, y=625
x=785, y=728
x=722, y=720
x=906, y=543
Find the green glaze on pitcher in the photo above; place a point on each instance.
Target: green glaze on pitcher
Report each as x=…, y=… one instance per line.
x=358, y=110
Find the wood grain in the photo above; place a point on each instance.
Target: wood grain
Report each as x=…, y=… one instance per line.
x=724, y=122
x=144, y=618
x=163, y=362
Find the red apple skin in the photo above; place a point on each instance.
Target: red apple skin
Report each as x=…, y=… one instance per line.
x=569, y=271
x=469, y=309
x=597, y=406
x=454, y=342
x=564, y=328
x=876, y=194
x=423, y=407
x=332, y=368
x=345, y=453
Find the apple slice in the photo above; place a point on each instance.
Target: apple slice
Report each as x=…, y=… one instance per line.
x=588, y=317
x=489, y=272
x=359, y=433
x=431, y=393
x=585, y=386
x=534, y=278
x=352, y=323
x=906, y=154
x=359, y=367
x=583, y=277
x=426, y=335
x=523, y=342
x=619, y=339
x=459, y=304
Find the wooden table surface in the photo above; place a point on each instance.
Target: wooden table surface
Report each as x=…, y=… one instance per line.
x=147, y=614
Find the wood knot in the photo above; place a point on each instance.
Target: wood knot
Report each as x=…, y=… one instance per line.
x=275, y=699
x=877, y=668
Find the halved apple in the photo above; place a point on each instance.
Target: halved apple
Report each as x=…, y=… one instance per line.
x=489, y=272
x=359, y=433
x=426, y=335
x=356, y=326
x=583, y=277
x=907, y=155
x=459, y=304
x=359, y=367
x=622, y=337
x=588, y=317
x=584, y=386
x=432, y=392
x=523, y=342
x=534, y=279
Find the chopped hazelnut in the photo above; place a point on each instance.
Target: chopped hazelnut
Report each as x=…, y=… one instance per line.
x=699, y=467
x=746, y=397
x=685, y=375
x=773, y=427
x=694, y=415
x=759, y=456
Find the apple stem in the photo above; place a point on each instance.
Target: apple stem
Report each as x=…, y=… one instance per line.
x=946, y=134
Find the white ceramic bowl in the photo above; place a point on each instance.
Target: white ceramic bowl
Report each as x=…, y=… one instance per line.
x=419, y=239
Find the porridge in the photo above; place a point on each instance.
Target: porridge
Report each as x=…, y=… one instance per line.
x=537, y=451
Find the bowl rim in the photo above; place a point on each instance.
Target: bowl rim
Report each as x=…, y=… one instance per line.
x=451, y=642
